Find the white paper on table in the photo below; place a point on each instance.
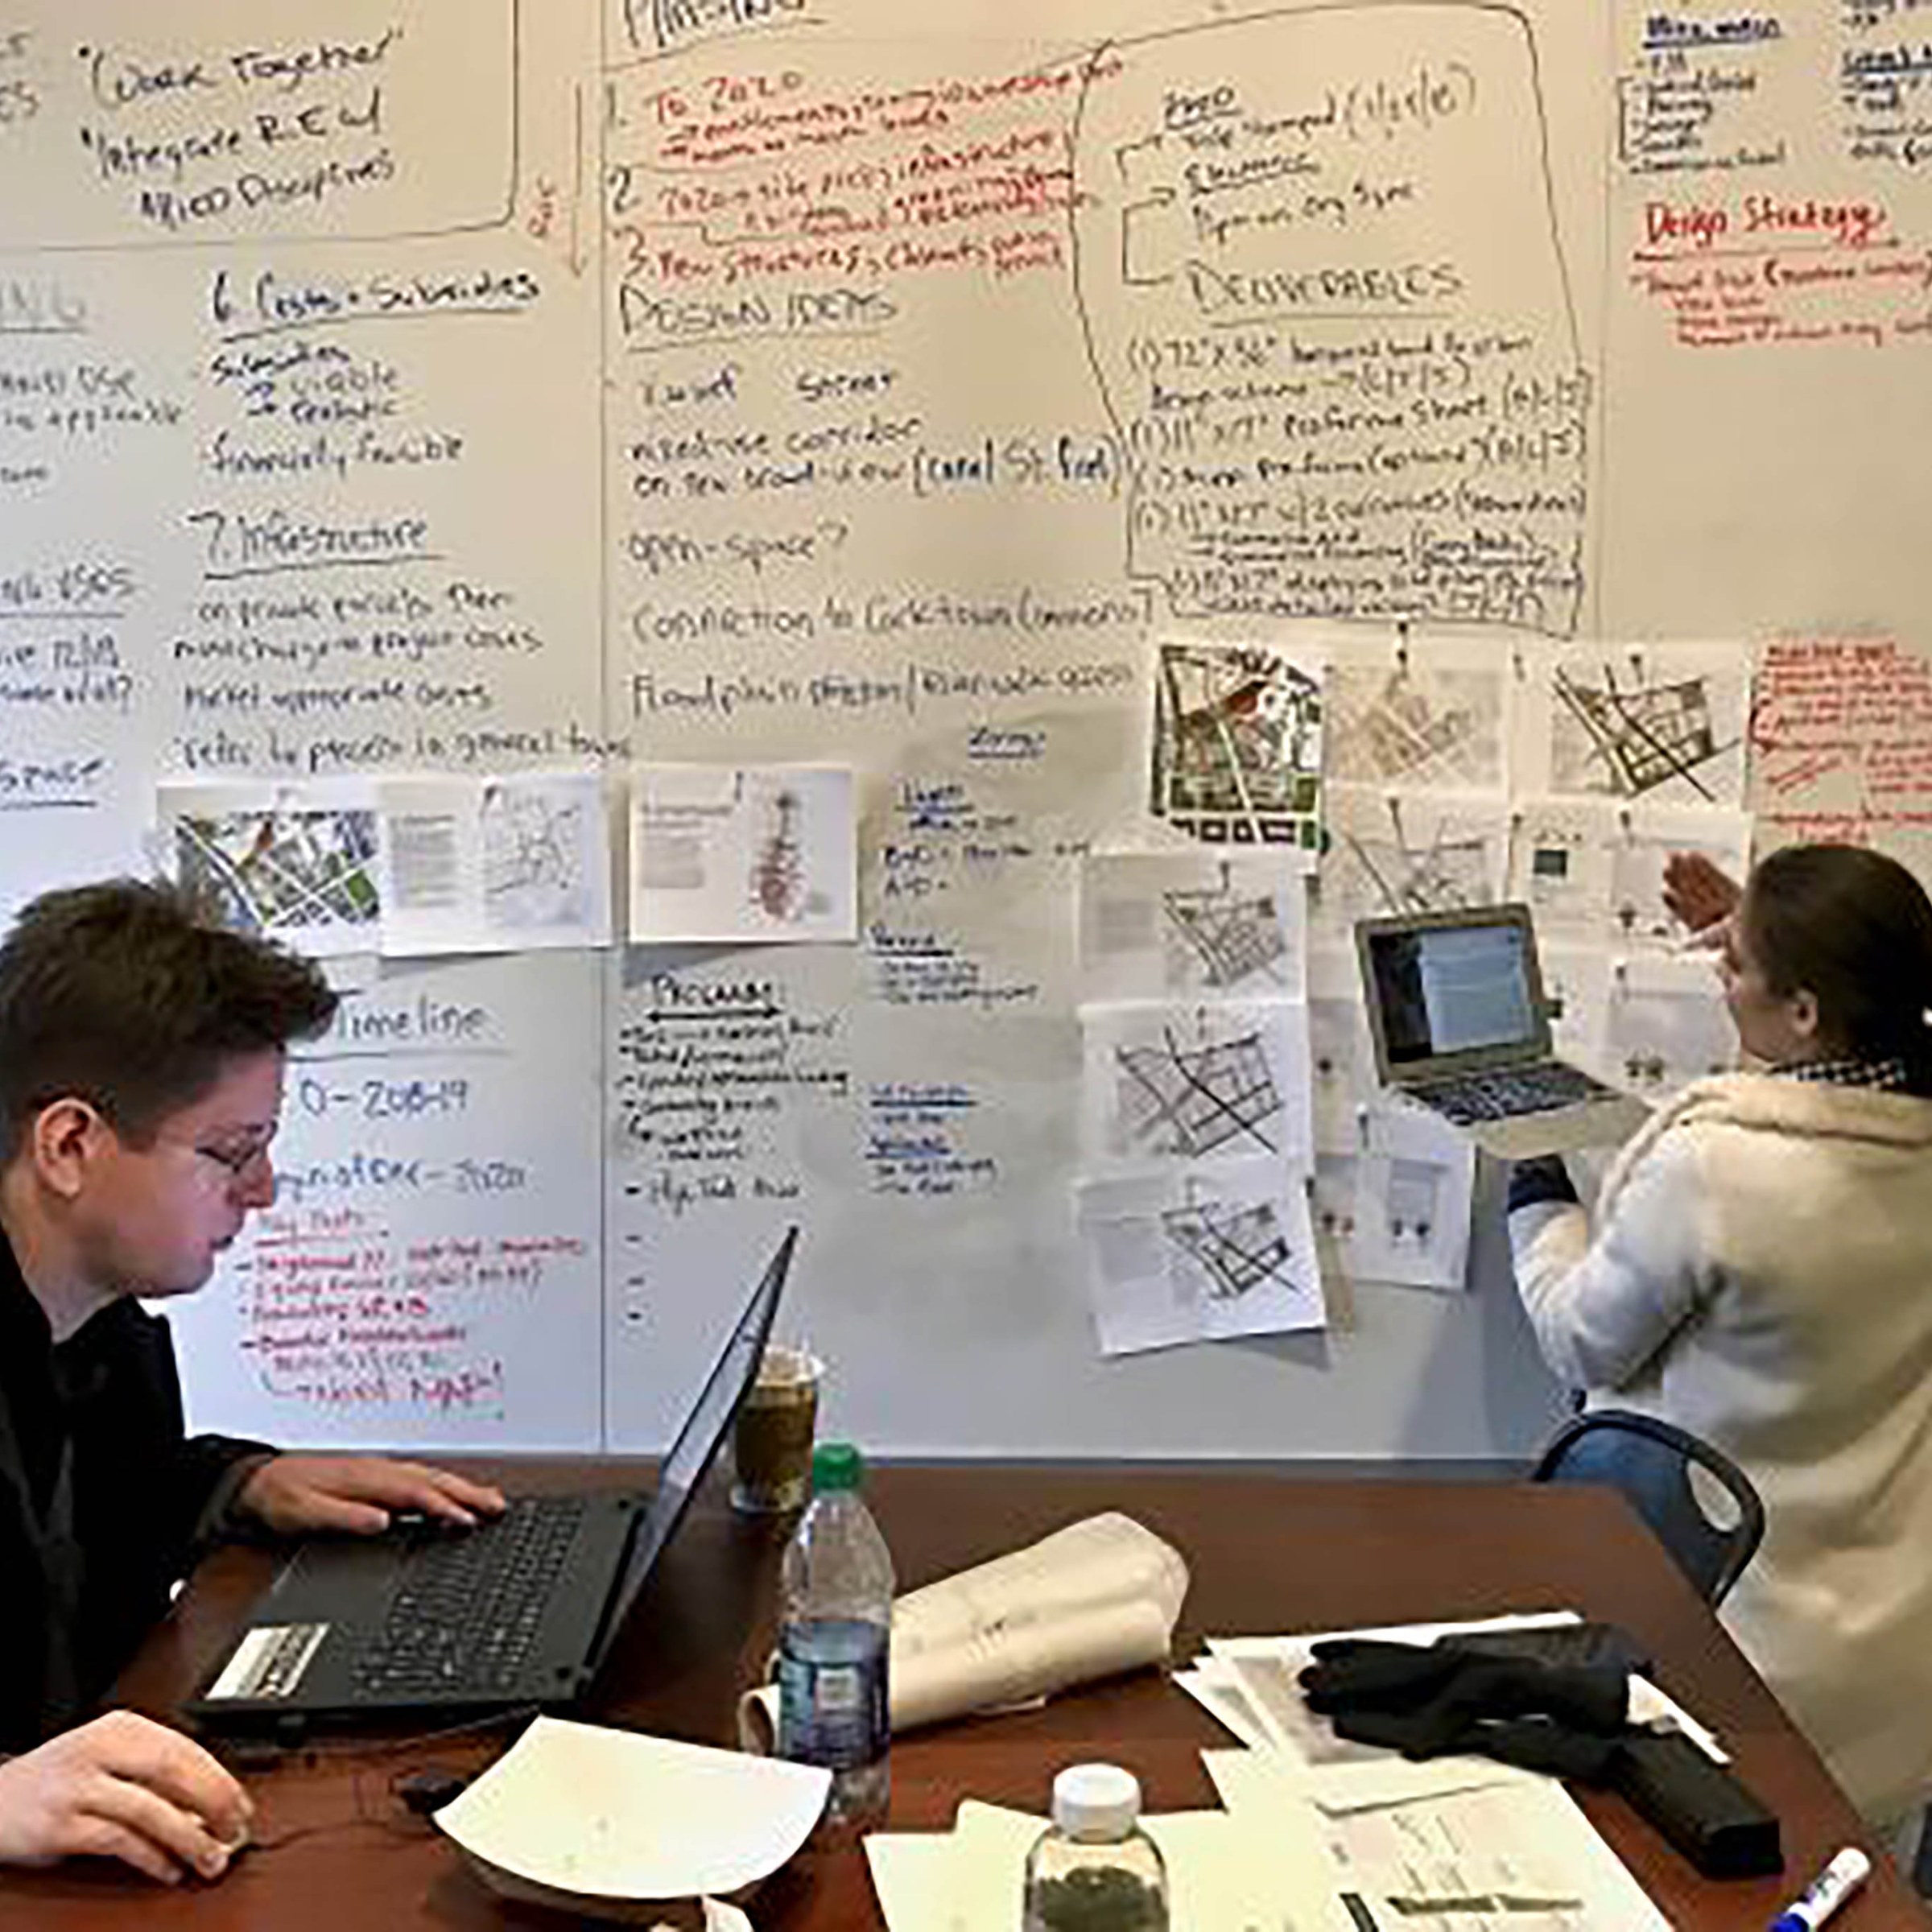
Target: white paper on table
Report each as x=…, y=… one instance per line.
x=1223, y=1871
x=1182, y=925
x=1522, y=1842
x=295, y=862
x=914, y=1875
x=1247, y=1780
x=472, y=864
x=1196, y=1083
x=1213, y=1684
x=725, y=853
x=1210, y=1255
x=588, y=1812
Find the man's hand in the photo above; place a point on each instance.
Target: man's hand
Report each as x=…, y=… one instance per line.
x=1697, y=893
x=293, y=1494
x=122, y=1787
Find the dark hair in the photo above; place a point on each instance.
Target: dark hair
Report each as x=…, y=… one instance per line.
x=1852, y=928
x=129, y=996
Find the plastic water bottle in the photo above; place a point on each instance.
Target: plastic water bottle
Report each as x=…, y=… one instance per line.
x=1094, y=1869
x=833, y=1641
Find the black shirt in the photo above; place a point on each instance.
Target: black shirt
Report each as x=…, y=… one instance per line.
x=104, y=1501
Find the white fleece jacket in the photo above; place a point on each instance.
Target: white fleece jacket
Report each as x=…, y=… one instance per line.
x=1761, y=1274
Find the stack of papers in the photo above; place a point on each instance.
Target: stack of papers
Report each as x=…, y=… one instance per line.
x=1450, y=1844
x=1317, y=1834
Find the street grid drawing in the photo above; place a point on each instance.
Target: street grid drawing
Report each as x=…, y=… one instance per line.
x=1197, y=1101
x=533, y=848
x=1379, y=866
x=275, y=871
x=1237, y=747
x=1238, y=1249
x=1430, y=726
x=1229, y=937
x=1630, y=738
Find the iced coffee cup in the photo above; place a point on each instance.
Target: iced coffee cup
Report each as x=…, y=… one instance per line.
x=771, y=1443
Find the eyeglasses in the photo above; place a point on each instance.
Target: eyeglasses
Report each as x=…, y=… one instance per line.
x=235, y=1157
x=238, y=1158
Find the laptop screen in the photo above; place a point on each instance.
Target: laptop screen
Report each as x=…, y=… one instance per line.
x=690, y=1456
x=1451, y=987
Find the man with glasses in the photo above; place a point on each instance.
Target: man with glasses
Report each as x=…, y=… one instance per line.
x=141, y=1052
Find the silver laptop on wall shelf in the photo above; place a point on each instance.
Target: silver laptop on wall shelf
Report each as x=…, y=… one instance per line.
x=518, y=1613
x=1455, y=1005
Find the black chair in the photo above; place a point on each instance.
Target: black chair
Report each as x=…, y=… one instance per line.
x=1651, y=1464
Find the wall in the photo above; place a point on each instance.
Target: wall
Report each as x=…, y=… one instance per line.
x=487, y=389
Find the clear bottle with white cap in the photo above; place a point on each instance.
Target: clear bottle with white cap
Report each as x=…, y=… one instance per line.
x=1094, y=1869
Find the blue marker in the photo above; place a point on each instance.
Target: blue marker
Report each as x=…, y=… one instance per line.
x=1825, y=1893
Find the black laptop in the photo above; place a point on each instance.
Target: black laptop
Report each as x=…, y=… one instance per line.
x=519, y=1612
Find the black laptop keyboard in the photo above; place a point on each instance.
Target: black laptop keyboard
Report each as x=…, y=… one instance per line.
x=466, y=1607
x=1501, y=1096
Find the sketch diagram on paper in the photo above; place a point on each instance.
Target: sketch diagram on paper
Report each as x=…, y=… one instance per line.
x=1390, y=854
x=1237, y=746
x=1559, y=863
x=1398, y=717
x=1181, y=925
x=1231, y=939
x=1208, y=1257
x=1590, y=870
x=1238, y=1249
x=778, y=872
x=1632, y=737
x=1656, y=722
x=723, y=853
x=1176, y=1099
x=534, y=847
x=286, y=871
x=1206, y=1082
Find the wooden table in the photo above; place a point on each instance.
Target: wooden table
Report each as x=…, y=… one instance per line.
x=1268, y=1554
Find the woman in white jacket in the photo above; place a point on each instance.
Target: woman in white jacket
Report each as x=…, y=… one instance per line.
x=1760, y=1272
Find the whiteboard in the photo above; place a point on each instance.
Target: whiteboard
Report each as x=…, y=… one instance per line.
x=415, y=387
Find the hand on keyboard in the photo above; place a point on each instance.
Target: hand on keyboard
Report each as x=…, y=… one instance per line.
x=298, y=1495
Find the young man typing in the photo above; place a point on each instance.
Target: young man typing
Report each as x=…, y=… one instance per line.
x=141, y=1054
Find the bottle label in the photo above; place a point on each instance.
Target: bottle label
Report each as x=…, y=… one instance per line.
x=833, y=1704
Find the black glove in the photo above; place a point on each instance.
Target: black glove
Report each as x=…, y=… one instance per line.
x=1426, y=1700
x=1533, y=1743
x=1543, y=1178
